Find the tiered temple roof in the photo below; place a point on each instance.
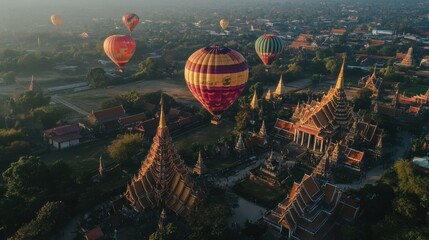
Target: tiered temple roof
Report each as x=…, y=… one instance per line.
x=163, y=178
x=328, y=115
x=312, y=209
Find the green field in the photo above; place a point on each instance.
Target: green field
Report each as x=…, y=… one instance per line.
x=82, y=158
x=413, y=89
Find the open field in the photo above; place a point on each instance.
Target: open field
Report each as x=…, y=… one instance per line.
x=92, y=99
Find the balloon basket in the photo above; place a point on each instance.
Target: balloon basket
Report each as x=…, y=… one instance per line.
x=216, y=120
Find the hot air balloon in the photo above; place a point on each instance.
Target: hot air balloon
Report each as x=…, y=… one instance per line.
x=57, y=20
x=120, y=49
x=130, y=21
x=216, y=76
x=224, y=24
x=268, y=47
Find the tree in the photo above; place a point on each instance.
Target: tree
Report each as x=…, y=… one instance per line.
x=208, y=221
x=27, y=178
x=363, y=99
x=48, y=218
x=125, y=146
x=242, y=120
x=168, y=234
x=331, y=65
x=132, y=101
x=96, y=77
x=28, y=101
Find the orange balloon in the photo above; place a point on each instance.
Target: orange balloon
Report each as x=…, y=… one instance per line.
x=57, y=20
x=119, y=48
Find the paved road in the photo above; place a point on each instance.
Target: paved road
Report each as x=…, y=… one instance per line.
x=375, y=174
x=75, y=108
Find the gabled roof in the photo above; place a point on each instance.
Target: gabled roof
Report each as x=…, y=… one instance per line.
x=109, y=114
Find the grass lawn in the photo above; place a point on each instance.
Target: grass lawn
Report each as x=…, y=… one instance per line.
x=262, y=194
x=206, y=134
x=82, y=158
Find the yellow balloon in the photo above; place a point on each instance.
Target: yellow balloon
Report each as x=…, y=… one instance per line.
x=224, y=24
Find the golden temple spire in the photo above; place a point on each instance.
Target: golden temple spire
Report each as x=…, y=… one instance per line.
x=279, y=88
x=340, y=80
x=268, y=96
x=254, y=102
x=162, y=123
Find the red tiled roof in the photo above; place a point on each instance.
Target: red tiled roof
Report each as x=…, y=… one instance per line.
x=284, y=125
x=62, y=130
x=132, y=119
x=400, y=56
x=310, y=186
x=109, y=114
x=94, y=234
x=339, y=31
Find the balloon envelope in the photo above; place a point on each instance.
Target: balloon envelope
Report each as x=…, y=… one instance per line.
x=57, y=20
x=216, y=76
x=130, y=21
x=224, y=24
x=119, y=48
x=268, y=47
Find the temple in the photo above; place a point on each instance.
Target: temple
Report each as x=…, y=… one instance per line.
x=312, y=210
x=163, y=179
x=373, y=83
x=272, y=171
x=316, y=125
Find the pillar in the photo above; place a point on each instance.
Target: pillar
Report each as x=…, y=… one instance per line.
x=302, y=138
x=309, y=140
x=321, y=145
x=314, y=145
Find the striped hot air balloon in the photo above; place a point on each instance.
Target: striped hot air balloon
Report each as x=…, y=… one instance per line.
x=56, y=20
x=224, y=24
x=119, y=48
x=216, y=76
x=268, y=47
x=130, y=21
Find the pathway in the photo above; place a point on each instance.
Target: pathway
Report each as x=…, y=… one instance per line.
x=58, y=99
x=375, y=174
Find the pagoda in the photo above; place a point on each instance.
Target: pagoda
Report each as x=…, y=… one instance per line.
x=240, y=148
x=278, y=93
x=200, y=168
x=254, y=102
x=163, y=179
x=315, y=123
x=268, y=95
x=408, y=59
x=33, y=86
